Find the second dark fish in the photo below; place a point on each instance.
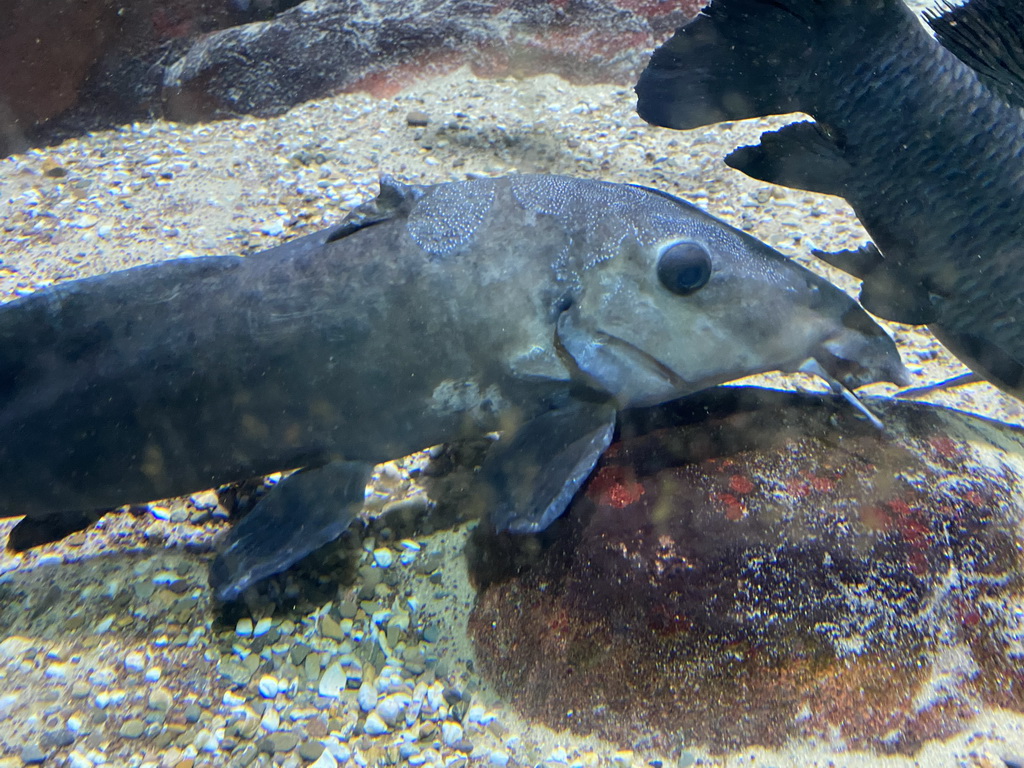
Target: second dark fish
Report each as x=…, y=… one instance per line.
x=927, y=149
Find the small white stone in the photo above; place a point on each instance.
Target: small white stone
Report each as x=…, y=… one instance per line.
x=383, y=557
x=333, y=680
x=268, y=687
x=270, y=721
x=367, y=696
x=244, y=628
x=153, y=674
x=232, y=699
x=135, y=662
x=391, y=707
x=77, y=760
x=326, y=760
x=374, y=725
x=57, y=671
x=451, y=732
x=498, y=757
x=160, y=512
x=262, y=627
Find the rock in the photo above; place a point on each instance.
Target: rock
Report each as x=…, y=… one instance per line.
x=310, y=751
x=49, y=47
x=325, y=46
x=329, y=628
x=417, y=118
x=268, y=686
x=392, y=707
x=326, y=760
x=374, y=725
x=367, y=696
x=451, y=732
x=32, y=754
x=333, y=681
x=132, y=729
x=782, y=542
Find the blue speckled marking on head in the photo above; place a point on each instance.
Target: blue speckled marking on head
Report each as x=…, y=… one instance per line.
x=585, y=208
x=447, y=218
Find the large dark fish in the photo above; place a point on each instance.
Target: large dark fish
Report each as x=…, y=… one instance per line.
x=534, y=305
x=928, y=151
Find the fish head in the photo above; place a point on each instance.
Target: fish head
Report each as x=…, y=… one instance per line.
x=690, y=302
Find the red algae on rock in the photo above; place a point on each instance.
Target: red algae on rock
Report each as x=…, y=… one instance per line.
x=754, y=567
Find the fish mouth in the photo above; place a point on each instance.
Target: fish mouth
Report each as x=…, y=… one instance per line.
x=852, y=358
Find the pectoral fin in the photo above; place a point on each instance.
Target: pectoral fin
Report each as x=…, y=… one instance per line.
x=529, y=478
x=895, y=296
x=305, y=511
x=800, y=156
x=858, y=262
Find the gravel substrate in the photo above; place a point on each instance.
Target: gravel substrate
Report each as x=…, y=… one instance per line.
x=114, y=654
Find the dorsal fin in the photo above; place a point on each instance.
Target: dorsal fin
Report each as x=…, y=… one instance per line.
x=393, y=199
x=988, y=36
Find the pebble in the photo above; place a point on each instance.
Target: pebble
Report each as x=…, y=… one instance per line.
x=159, y=699
x=132, y=729
x=268, y=686
x=244, y=628
x=383, y=557
x=417, y=118
x=31, y=754
x=392, y=707
x=329, y=628
x=333, y=681
x=57, y=671
x=326, y=760
x=311, y=750
x=451, y=732
x=374, y=725
x=262, y=627
x=498, y=757
x=367, y=696
x=271, y=720
x=135, y=662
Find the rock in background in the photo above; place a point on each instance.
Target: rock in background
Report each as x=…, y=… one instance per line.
x=70, y=66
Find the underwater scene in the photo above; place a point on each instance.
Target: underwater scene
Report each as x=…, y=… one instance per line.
x=510, y=384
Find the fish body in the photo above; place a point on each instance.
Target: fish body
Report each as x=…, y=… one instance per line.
x=927, y=150
x=533, y=305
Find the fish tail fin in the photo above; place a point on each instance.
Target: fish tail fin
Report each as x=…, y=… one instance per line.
x=744, y=58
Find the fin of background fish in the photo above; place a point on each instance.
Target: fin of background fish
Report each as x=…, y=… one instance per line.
x=896, y=296
x=978, y=351
x=530, y=478
x=858, y=262
x=299, y=515
x=800, y=155
x=987, y=36
x=36, y=531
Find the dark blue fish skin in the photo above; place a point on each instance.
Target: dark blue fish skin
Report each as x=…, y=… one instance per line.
x=532, y=305
x=930, y=159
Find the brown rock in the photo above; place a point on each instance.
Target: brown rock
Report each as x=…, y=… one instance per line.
x=318, y=48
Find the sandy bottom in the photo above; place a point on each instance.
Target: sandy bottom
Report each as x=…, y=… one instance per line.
x=74, y=613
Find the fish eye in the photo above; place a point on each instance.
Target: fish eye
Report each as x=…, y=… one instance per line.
x=684, y=268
